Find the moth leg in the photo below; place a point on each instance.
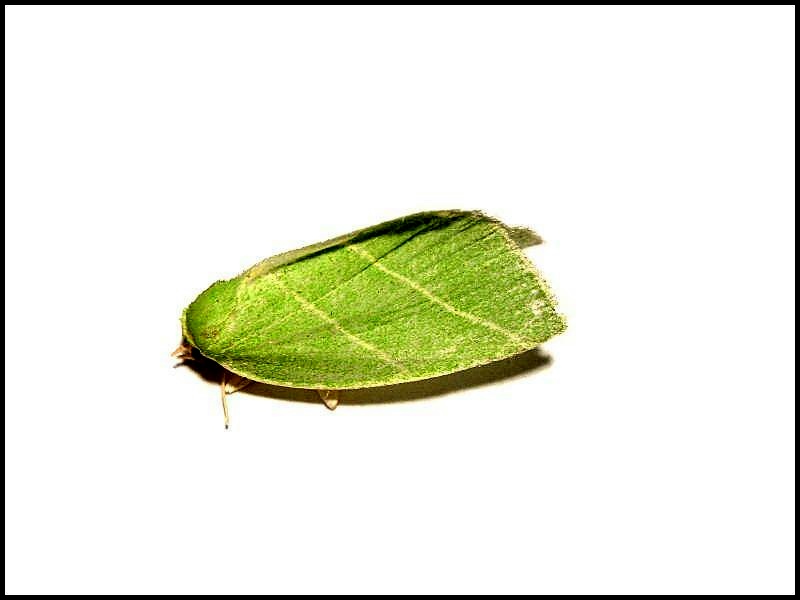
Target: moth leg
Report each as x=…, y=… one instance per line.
x=224, y=393
x=237, y=382
x=330, y=398
x=183, y=352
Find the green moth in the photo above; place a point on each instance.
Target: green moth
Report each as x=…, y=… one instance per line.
x=413, y=298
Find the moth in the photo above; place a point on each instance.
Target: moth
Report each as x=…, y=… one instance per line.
x=413, y=298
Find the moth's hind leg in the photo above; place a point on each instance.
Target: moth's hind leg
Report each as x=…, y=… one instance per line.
x=237, y=382
x=330, y=398
x=224, y=393
x=231, y=383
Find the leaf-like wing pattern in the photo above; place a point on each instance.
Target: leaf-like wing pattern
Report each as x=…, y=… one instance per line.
x=410, y=299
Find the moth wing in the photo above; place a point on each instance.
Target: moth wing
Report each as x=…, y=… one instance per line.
x=409, y=299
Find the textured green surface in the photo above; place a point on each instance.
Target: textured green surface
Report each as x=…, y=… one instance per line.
x=413, y=298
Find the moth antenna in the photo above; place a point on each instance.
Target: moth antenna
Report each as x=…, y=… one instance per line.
x=330, y=398
x=224, y=394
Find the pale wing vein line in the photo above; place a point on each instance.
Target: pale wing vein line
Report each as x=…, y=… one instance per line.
x=240, y=289
x=310, y=307
x=435, y=299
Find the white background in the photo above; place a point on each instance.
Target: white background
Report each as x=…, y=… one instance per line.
x=150, y=151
